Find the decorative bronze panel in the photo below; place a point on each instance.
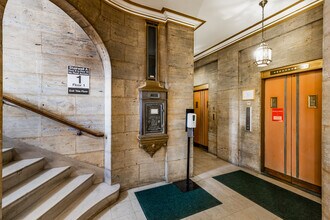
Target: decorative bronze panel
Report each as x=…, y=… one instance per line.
x=154, y=118
x=296, y=68
x=273, y=102
x=153, y=101
x=152, y=144
x=312, y=101
x=289, y=69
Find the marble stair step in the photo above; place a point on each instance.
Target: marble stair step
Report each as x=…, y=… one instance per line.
x=7, y=155
x=59, y=199
x=27, y=193
x=92, y=202
x=17, y=171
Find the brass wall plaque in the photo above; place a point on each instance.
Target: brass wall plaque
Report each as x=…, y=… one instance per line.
x=289, y=69
x=273, y=102
x=312, y=101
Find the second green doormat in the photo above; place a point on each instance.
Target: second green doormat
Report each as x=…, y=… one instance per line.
x=283, y=203
x=168, y=202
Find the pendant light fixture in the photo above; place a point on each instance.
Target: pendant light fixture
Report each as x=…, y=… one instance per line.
x=263, y=54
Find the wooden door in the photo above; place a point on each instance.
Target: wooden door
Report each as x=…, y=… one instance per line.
x=277, y=124
x=293, y=128
x=206, y=118
x=201, y=110
x=198, y=110
x=306, y=118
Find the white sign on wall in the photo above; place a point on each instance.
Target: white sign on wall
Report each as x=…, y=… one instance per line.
x=78, y=80
x=248, y=94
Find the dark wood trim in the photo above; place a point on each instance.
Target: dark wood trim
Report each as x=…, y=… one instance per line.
x=50, y=115
x=201, y=87
x=201, y=146
x=306, y=185
x=278, y=175
x=262, y=123
x=300, y=184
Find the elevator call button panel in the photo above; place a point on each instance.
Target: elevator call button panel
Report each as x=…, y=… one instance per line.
x=248, y=119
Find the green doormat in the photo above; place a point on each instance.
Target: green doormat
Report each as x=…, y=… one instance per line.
x=281, y=202
x=168, y=202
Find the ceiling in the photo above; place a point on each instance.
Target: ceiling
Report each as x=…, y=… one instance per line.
x=224, y=18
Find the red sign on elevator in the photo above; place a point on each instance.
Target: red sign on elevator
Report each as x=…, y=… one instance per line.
x=278, y=114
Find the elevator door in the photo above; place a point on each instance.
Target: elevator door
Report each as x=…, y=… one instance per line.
x=293, y=109
x=201, y=110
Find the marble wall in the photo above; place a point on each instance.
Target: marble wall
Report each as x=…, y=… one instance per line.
x=179, y=81
x=326, y=113
x=2, y=9
x=40, y=42
x=124, y=36
x=208, y=74
x=130, y=164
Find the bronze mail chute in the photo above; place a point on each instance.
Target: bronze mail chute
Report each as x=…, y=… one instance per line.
x=153, y=117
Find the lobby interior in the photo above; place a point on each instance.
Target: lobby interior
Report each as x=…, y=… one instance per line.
x=96, y=96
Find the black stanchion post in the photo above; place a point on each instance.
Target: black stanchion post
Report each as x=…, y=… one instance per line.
x=188, y=162
x=187, y=184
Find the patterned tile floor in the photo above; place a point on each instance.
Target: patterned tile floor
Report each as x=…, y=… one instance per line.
x=234, y=207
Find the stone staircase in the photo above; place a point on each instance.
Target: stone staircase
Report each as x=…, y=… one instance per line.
x=33, y=191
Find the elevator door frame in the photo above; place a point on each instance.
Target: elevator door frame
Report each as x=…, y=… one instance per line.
x=283, y=71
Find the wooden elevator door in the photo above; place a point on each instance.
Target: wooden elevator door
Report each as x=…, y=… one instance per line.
x=293, y=110
x=201, y=110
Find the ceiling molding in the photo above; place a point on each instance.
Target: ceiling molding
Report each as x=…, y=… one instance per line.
x=162, y=16
x=270, y=21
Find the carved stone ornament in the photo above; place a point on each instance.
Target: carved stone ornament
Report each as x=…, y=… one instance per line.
x=152, y=144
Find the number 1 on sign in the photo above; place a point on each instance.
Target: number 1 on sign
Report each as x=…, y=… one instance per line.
x=79, y=77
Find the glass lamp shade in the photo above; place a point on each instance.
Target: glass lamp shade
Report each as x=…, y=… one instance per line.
x=263, y=55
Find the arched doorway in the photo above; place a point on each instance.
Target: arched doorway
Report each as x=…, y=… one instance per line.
x=106, y=65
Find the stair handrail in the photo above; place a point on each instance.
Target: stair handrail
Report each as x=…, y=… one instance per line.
x=50, y=115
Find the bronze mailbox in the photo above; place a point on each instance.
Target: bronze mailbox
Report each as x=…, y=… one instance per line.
x=153, y=117
x=153, y=110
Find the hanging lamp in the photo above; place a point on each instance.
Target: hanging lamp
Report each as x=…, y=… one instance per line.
x=263, y=54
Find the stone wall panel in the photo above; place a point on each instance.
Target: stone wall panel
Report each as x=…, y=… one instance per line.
x=326, y=114
x=41, y=41
x=179, y=77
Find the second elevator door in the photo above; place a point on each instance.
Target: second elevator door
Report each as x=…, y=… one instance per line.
x=201, y=110
x=293, y=127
